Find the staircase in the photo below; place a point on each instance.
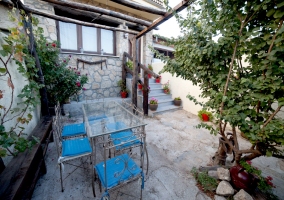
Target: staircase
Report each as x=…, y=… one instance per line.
x=165, y=101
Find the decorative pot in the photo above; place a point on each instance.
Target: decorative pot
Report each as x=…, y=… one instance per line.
x=167, y=91
x=205, y=117
x=123, y=94
x=158, y=80
x=149, y=75
x=153, y=107
x=241, y=179
x=140, y=86
x=177, y=102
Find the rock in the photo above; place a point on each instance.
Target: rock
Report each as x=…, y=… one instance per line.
x=216, y=197
x=202, y=196
x=242, y=195
x=224, y=189
x=213, y=174
x=223, y=174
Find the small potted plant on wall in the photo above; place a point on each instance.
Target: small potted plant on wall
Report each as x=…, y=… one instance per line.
x=123, y=90
x=205, y=115
x=150, y=68
x=166, y=87
x=177, y=101
x=153, y=104
x=158, y=79
x=139, y=86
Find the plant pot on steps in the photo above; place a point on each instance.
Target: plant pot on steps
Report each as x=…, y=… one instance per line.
x=177, y=102
x=149, y=75
x=139, y=86
x=153, y=107
x=158, y=80
x=123, y=94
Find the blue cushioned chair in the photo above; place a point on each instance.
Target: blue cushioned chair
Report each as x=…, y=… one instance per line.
x=69, y=149
x=69, y=130
x=124, y=138
x=119, y=170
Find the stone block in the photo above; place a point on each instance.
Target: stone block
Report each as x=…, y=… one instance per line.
x=242, y=195
x=97, y=77
x=110, y=61
x=223, y=174
x=224, y=189
x=213, y=174
x=217, y=197
x=101, y=72
x=95, y=86
x=106, y=93
x=106, y=84
x=88, y=93
x=111, y=77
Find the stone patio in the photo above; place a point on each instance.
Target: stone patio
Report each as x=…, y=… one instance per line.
x=174, y=146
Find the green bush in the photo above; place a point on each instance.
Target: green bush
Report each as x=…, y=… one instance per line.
x=207, y=182
x=61, y=82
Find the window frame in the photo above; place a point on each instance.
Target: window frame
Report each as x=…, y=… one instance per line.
x=80, y=41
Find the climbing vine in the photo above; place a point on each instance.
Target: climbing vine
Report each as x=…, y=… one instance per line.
x=14, y=49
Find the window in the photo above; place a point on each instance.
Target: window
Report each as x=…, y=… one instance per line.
x=165, y=52
x=75, y=38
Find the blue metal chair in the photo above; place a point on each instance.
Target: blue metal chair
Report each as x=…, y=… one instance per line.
x=69, y=130
x=119, y=170
x=69, y=149
x=124, y=139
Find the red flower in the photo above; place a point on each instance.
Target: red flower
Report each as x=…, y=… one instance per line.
x=78, y=84
x=84, y=88
x=248, y=162
x=53, y=44
x=269, y=178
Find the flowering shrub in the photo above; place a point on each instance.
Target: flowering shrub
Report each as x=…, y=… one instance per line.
x=264, y=184
x=61, y=82
x=166, y=87
x=153, y=100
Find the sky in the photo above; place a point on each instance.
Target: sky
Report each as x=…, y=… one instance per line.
x=170, y=28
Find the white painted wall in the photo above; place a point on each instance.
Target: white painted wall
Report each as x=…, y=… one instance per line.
x=180, y=88
x=18, y=80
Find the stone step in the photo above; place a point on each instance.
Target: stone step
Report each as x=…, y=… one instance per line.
x=162, y=109
x=155, y=85
x=153, y=91
x=160, y=96
x=165, y=102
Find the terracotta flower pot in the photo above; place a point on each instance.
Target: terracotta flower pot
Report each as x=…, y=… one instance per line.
x=149, y=75
x=153, y=107
x=158, y=80
x=166, y=91
x=123, y=94
x=139, y=86
x=205, y=117
x=241, y=179
x=177, y=102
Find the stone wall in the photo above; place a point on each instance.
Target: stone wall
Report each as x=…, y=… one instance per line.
x=102, y=82
x=147, y=53
x=48, y=25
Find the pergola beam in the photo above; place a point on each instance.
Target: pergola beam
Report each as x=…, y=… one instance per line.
x=68, y=20
x=182, y=5
x=99, y=10
x=140, y=7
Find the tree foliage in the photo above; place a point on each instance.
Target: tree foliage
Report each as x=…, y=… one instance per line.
x=234, y=51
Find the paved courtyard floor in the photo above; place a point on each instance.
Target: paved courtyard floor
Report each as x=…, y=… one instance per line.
x=174, y=146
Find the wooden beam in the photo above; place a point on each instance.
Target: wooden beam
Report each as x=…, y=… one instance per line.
x=137, y=6
x=182, y=5
x=80, y=13
x=68, y=20
x=135, y=70
x=95, y=9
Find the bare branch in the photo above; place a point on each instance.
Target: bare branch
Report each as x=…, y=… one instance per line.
x=271, y=117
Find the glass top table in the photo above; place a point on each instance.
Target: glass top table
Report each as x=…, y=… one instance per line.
x=102, y=118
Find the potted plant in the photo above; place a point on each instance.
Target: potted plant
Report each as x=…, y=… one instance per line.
x=205, y=115
x=158, y=79
x=139, y=86
x=150, y=68
x=153, y=104
x=166, y=87
x=123, y=90
x=129, y=64
x=177, y=101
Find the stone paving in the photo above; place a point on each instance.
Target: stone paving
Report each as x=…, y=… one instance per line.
x=174, y=146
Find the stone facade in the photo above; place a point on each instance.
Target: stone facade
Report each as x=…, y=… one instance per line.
x=102, y=82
